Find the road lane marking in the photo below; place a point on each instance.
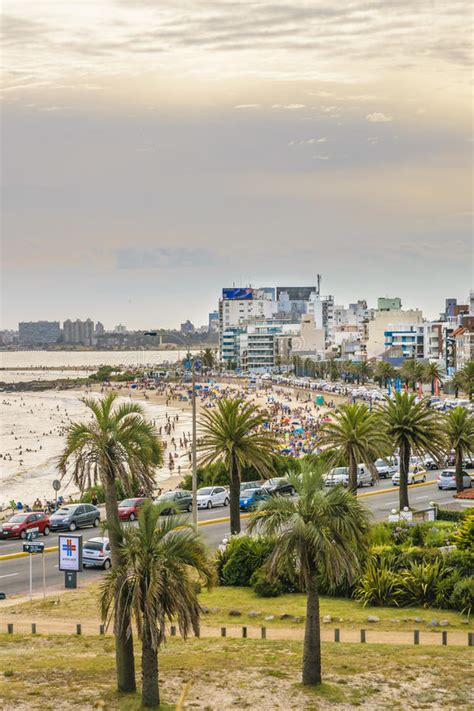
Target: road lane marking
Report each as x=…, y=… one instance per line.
x=9, y=575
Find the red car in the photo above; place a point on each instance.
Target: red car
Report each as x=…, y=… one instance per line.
x=21, y=523
x=129, y=508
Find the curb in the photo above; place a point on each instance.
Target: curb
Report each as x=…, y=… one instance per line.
x=396, y=488
x=10, y=556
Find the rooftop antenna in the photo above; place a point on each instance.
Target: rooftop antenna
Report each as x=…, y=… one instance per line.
x=318, y=288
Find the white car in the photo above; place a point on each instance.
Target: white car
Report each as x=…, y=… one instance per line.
x=211, y=496
x=416, y=474
x=96, y=553
x=386, y=468
x=340, y=475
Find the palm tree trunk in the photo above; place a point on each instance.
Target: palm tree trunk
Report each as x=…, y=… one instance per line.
x=352, y=486
x=124, y=659
x=458, y=465
x=234, y=496
x=404, y=465
x=312, y=633
x=150, y=688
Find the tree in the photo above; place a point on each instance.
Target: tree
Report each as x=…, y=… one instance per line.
x=233, y=433
x=468, y=378
x=432, y=373
x=208, y=358
x=364, y=370
x=118, y=444
x=459, y=430
x=321, y=533
x=355, y=436
x=457, y=382
x=411, y=427
x=412, y=372
x=160, y=561
x=384, y=372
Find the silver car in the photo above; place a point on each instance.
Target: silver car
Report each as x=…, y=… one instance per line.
x=447, y=479
x=96, y=553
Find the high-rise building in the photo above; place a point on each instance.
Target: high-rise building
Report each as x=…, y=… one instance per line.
x=187, y=327
x=78, y=332
x=37, y=333
x=99, y=328
x=213, y=324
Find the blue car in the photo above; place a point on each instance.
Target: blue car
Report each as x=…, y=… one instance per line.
x=249, y=498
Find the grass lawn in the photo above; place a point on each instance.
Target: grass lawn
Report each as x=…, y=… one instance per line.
x=79, y=605
x=49, y=672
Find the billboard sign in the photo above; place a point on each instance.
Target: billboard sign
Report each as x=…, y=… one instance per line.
x=70, y=552
x=235, y=294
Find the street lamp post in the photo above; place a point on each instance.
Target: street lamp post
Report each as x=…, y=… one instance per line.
x=193, y=444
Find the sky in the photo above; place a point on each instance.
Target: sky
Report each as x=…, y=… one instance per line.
x=154, y=152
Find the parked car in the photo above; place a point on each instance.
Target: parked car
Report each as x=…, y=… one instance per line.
x=21, y=523
x=416, y=474
x=211, y=496
x=340, y=475
x=249, y=498
x=75, y=516
x=181, y=500
x=129, y=508
x=250, y=485
x=96, y=553
x=430, y=463
x=386, y=468
x=447, y=479
x=278, y=486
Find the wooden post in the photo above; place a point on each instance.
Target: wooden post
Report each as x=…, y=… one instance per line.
x=78, y=629
x=337, y=634
x=244, y=632
x=33, y=628
x=10, y=628
x=416, y=637
x=362, y=636
x=223, y=631
x=470, y=639
x=173, y=631
x=264, y=632
x=102, y=630
x=444, y=637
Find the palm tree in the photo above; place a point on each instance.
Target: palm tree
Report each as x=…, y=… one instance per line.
x=355, y=436
x=457, y=382
x=233, y=433
x=321, y=533
x=432, y=373
x=364, y=370
x=208, y=358
x=459, y=429
x=158, y=559
x=383, y=372
x=116, y=445
x=412, y=372
x=468, y=378
x=411, y=427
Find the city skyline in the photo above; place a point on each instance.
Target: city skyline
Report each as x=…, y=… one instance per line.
x=260, y=143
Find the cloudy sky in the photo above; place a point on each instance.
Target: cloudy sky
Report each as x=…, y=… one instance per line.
x=153, y=152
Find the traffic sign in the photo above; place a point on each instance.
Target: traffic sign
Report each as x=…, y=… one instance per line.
x=32, y=533
x=56, y=485
x=33, y=547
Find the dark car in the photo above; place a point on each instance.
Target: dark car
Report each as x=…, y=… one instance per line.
x=23, y=523
x=249, y=498
x=75, y=516
x=129, y=508
x=181, y=500
x=278, y=486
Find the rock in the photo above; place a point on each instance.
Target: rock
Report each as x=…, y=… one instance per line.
x=418, y=619
x=214, y=610
x=298, y=619
x=285, y=616
x=395, y=622
x=373, y=618
x=327, y=619
x=252, y=613
x=205, y=610
x=465, y=622
x=269, y=618
x=443, y=623
x=234, y=613
x=432, y=623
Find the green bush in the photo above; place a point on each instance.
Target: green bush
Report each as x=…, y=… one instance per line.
x=420, y=583
x=447, y=515
x=437, y=537
x=416, y=554
x=464, y=538
x=242, y=557
x=461, y=561
x=381, y=535
x=378, y=585
x=462, y=597
x=265, y=586
x=445, y=588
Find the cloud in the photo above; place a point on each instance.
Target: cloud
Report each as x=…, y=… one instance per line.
x=378, y=117
x=289, y=107
x=248, y=106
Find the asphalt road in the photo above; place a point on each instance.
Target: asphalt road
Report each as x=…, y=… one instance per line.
x=14, y=573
